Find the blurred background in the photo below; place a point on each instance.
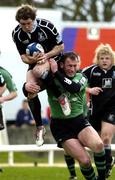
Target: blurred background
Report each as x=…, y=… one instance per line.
x=83, y=24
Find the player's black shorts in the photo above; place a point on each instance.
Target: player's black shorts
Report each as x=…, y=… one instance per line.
x=64, y=129
x=106, y=115
x=1, y=120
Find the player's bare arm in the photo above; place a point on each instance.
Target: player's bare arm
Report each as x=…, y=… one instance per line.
x=94, y=90
x=29, y=59
x=54, y=52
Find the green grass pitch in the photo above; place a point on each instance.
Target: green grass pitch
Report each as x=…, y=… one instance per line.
x=40, y=173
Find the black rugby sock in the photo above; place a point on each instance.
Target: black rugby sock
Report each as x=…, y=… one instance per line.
x=35, y=107
x=100, y=163
x=70, y=164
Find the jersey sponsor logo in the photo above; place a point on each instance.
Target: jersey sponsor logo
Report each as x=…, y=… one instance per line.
x=96, y=74
x=41, y=36
x=83, y=80
x=107, y=83
x=25, y=41
x=68, y=81
x=74, y=99
x=111, y=118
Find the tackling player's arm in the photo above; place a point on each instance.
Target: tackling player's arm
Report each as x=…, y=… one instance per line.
x=68, y=84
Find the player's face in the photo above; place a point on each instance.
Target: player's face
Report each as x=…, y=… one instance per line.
x=26, y=25
x=70, y=67
x=105, y=62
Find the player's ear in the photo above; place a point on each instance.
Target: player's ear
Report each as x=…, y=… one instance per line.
x=61, y=65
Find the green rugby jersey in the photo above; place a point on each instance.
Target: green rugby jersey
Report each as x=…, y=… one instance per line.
x=77, y=100
x=10, y=85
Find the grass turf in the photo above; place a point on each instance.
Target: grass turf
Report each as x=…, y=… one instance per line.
x=40, y=173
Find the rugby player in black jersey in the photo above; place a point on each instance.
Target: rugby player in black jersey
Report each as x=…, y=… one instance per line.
x=101, y=80
x=29, y=30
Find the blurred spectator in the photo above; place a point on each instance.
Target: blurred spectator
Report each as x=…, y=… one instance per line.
x=24, y=116
x=48, y=113
x=45, y=119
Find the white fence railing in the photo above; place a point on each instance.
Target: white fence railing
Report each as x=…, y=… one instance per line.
x=50, y=148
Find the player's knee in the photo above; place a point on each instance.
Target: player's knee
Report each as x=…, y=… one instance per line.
x=37, y=72
x=85, y=162
x=99, y=146
x=107, y=139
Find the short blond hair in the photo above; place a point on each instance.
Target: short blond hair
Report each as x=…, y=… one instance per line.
x=104, y=49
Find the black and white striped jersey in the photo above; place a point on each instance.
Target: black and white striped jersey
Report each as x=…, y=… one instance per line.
x=98, y=77
x=44, y=33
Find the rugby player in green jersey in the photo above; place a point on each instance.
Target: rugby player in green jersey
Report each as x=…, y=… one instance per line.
x=74, y=132
x=11, y=87
x=6, y=83
x=70, y=162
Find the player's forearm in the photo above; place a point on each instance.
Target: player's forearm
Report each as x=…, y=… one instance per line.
x=68, y=84
x=10, y=96
x=2, y=89
x=55, y=51
x=28, y=59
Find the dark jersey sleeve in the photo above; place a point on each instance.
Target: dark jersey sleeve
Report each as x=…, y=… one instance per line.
x=88, y=72
x=19, y=38
x=67, y=83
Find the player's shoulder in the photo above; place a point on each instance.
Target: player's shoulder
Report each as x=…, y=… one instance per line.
x=16, y=30
x=89, y=68
x=3, y=71
x=113, y=67
x=47, y=25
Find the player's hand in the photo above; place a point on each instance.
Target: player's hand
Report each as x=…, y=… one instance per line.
x=28, y=59
x=53, y=65
x=32, y=87
x=95, y=90
x=41, y=58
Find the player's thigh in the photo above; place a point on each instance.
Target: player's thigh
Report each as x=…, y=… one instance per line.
x=107, y=130
x=39, y=69
x=90, y=138
x=74, y=148
x=30, y=76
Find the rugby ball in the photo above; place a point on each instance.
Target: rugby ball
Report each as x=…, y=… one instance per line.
x=34, y=48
